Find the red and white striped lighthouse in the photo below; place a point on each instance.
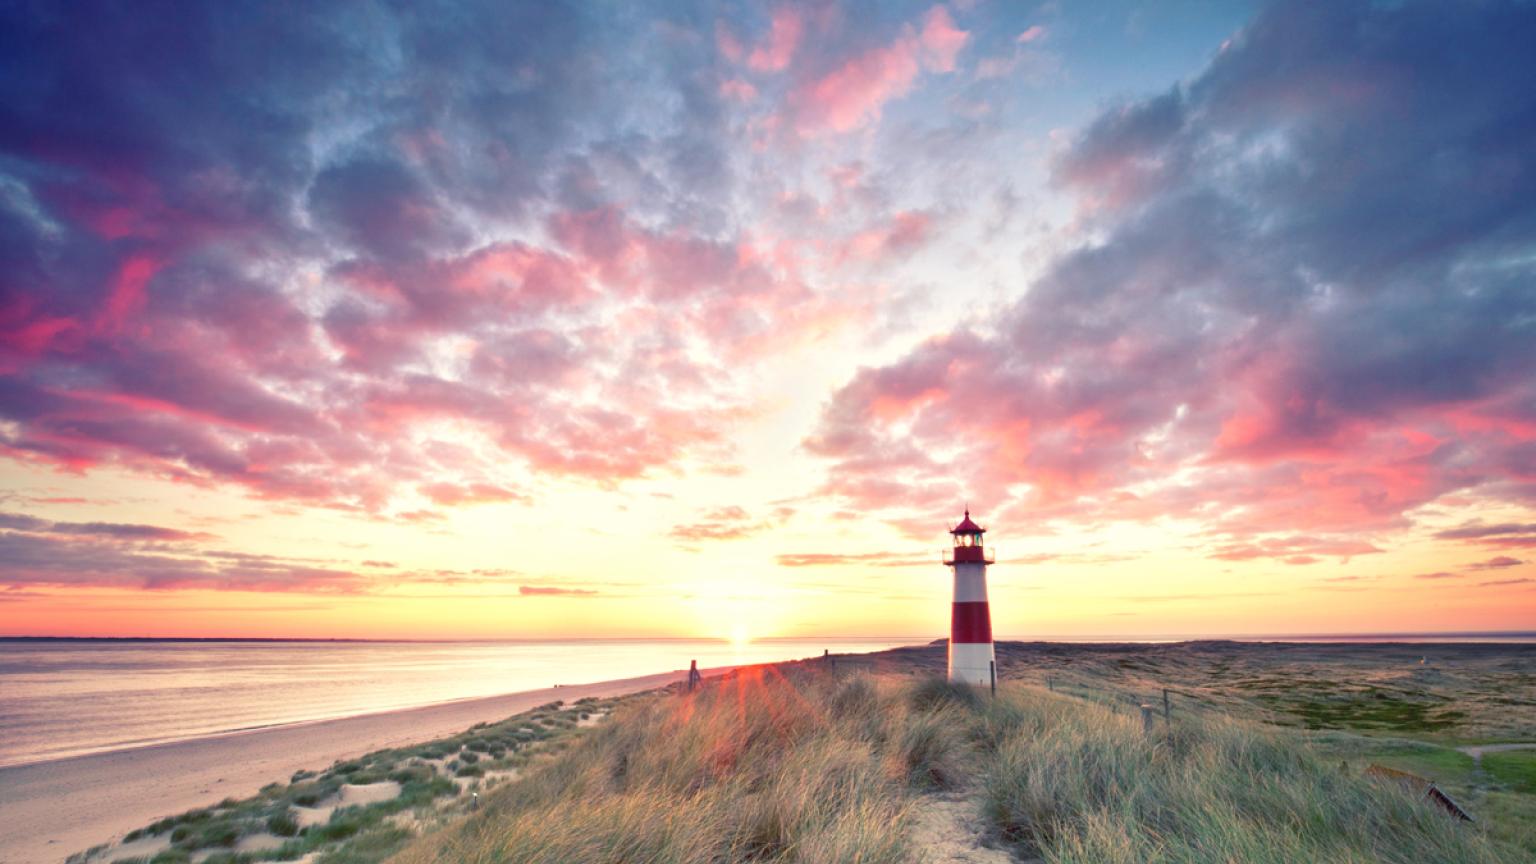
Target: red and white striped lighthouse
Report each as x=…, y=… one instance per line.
x=970, y=623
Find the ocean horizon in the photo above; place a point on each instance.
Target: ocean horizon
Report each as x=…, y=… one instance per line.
x=1498, y=636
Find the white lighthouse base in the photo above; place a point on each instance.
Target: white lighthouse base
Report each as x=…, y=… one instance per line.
x=971, y=663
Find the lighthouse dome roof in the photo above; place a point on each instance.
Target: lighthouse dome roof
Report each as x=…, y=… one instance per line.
x=966, y=526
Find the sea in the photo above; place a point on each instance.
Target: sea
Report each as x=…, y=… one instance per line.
x=64, y=698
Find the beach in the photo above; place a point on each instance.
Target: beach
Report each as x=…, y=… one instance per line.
x=50, y=810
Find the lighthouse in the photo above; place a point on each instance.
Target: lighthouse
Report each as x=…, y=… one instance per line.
x=970, y=622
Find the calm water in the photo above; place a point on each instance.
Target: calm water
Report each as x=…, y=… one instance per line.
x=62, y=699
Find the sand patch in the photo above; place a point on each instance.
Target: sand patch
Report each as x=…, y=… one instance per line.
x=947, y=830
x=369, y=793
x=143, y=847
x=258, y=842
x=592, y=719
x=316, y=815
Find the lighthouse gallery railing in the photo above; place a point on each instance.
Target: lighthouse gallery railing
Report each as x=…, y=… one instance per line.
x=971, y=555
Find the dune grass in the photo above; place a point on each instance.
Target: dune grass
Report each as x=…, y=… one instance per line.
x=796, y=765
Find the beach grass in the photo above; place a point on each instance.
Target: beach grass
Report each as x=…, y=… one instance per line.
x=795, y=765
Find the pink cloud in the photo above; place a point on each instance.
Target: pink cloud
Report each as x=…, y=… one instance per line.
x=727, y=43
x=855, y=93
x=453, y=494
x=942, y=41
x=553, y=591
x=788, y=24
x=906, y=231
x=1295, y=549
x=128, y=290
x=737, y=90
x=1032, y=33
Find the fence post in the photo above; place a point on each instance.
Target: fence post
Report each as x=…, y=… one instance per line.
x=1050, y=683
x=992, y=668
x=694, y=678
x=1146, y=719
x=1166, y=712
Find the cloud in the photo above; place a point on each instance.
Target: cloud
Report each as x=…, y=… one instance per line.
x=942, y=41
x=1259, y=329
x=27, y=560
x=854, y=92
x=104, y=530
x=1493, y=582
x=1440, y=574
x=786, y=28
x=1508, y=535
x=866, y=559
x=1182, y=598
x=299, y=278
x=1499, y=563
x=38, y=552
x=1295, y=549
x=724, y=523
x=453, y=494
x=550, y=591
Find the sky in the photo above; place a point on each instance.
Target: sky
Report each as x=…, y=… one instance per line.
x=523, y=320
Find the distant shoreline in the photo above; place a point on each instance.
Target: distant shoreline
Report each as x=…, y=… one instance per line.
x=1468, y=636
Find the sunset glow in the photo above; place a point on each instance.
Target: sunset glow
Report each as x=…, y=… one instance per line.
x=708, y=319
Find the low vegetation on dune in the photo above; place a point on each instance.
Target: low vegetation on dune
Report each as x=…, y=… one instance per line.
x=358, y=811
x=797, y=764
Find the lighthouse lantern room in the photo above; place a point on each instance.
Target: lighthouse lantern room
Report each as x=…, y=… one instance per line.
x=970, y=627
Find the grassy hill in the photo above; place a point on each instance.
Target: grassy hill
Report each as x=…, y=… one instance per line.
x=870, y=758
x=810, y=765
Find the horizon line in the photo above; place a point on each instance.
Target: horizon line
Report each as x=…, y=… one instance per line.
x=1044, y=637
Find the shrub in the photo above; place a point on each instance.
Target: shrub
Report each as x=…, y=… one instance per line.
x=283, y=824
x=931, y=750
x=935, y=692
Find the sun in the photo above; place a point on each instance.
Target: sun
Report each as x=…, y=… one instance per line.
x=740, y=636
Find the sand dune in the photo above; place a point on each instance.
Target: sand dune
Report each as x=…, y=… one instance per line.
x=50, y=810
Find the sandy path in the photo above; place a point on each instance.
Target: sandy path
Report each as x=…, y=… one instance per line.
x=948, y=831
x=50, y=810
x=1476, y=751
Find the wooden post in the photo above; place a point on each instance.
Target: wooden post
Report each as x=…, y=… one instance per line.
x=992, y=668
x=694, y=678
x=1146, y=719
x=1166, y=712
x=1050, y=683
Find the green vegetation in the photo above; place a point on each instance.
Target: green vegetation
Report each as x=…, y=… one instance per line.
x=434, y=780
x=1372, y=708
x=1513, y=769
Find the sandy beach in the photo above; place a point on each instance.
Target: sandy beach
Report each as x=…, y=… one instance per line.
x=50, y=810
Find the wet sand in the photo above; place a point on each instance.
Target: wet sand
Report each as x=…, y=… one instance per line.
x=50, y=810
